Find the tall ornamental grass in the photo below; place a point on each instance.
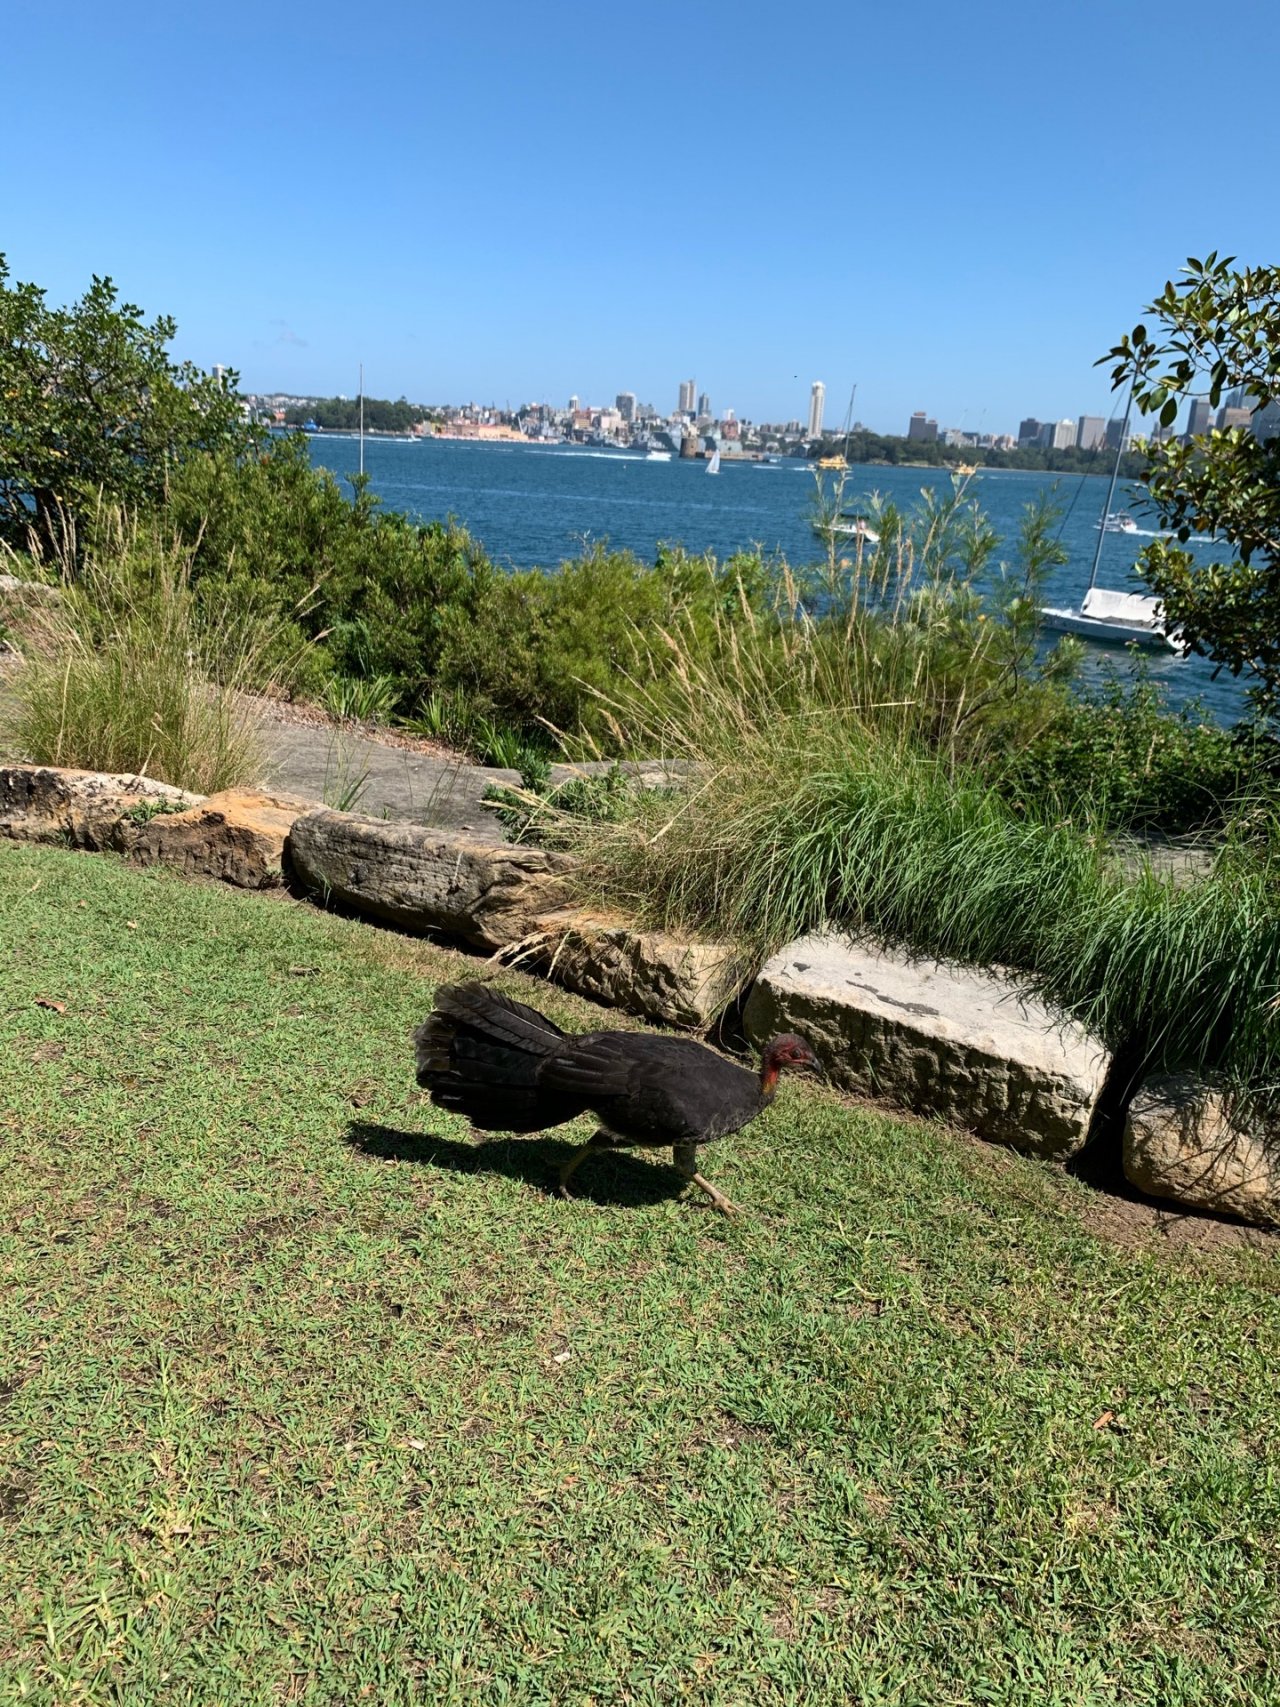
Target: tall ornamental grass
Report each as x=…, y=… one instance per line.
x=127, y=674
x=845, y=774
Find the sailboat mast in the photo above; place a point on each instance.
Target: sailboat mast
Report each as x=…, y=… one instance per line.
x=362, y=417
x=1111, y=489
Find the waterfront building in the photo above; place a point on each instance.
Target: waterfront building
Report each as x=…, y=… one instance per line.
x=817, y=403
x=922, y=428
x=1029, y=432
x=1091, y=432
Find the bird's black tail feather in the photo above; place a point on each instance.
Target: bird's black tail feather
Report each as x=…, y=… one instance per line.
x=480, y=1054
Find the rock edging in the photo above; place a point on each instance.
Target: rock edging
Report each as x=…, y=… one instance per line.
x=956, y=1042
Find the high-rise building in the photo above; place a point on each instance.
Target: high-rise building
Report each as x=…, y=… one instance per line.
x=1266, y=423
x=1199, y=416
x=1029, y=431
x=1091, y=431
x=1116, y=437
x=625, y=403
x=704, y=406
x=685, y=405
x=1059, y=435
x=1234, y=415
x=573, y=404
x=817, y=403
x=922, y=428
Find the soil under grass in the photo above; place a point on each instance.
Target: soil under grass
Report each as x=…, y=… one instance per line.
x=305, y=1396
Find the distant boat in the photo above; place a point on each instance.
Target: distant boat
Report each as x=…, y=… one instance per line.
x=713, y=467
x=832, y=462
x=848, y=526
x=1109, y=618
x=658, y=456
x=1106, y=616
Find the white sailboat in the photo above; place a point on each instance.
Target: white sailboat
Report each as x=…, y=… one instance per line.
x=1108, y=617
x=713, y=467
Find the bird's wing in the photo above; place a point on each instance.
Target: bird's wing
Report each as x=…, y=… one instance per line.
x=654, y=1089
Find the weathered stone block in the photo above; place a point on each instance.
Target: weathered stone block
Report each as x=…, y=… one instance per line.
x=1184, y=1140
x=237, y=837
x=953, y=1042
x=650, y=973
x=82, y=809
x=429, y=880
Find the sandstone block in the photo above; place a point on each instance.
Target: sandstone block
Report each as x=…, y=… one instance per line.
x=650, y=973
x=429, y=880
x=1184, y=1140
x=81, y=809
x=956, y=1043
x=234, y=836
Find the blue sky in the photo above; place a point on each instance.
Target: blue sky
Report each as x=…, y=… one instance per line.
x=957, y=206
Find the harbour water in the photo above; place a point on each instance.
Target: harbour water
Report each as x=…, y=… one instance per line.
x=534, y=507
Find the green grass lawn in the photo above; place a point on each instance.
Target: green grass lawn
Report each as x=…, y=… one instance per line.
x=306, y=1396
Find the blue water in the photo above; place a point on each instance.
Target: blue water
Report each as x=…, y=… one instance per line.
x=533, y=507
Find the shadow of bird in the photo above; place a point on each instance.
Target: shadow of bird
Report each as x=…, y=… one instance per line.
x=621, y=1180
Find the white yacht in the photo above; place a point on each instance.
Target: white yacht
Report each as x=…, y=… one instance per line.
x=1110, y=618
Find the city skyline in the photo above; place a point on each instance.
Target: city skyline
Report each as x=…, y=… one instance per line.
x=536, y=219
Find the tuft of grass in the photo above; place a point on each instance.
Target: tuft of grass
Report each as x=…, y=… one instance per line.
x=309, y=1395
x=130, y=674
x=354, y=699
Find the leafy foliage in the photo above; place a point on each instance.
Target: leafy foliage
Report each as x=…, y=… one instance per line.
x=423, y=608
x=343, y=414
x=1117, y=755
x=1218, y=332
x=94, y=409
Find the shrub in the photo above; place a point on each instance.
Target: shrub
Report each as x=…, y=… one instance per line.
x=1117, y=754
x=422, y=606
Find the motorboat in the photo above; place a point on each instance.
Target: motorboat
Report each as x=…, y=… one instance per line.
x=850, y=525
x=1117, y=521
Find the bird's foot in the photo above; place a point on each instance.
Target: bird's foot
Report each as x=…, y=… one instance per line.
x=718, y=1198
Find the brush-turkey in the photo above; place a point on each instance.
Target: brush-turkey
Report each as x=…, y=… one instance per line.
x=508, y=1068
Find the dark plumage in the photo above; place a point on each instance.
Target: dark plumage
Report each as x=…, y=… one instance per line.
x=508, y=1068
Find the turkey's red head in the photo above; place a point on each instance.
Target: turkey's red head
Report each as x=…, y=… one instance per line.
x=787, y=1051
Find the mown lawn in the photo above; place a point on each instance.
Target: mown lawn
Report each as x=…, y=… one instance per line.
x=305, y=1397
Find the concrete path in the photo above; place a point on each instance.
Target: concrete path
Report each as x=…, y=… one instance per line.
x=352, y=771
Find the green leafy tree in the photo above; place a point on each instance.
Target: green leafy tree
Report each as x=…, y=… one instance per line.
x=1218, y=332
x=92, y=408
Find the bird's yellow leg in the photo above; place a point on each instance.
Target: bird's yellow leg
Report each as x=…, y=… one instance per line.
x=598, y=1141
x=686, y=1159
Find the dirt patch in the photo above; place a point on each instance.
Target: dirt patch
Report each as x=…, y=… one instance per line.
x=1114, y=1210
x=1119, y=1212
